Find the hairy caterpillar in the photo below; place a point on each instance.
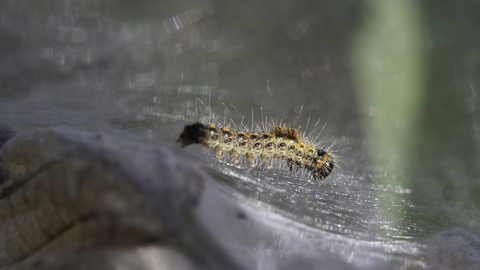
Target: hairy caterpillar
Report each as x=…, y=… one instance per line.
x=281, y=142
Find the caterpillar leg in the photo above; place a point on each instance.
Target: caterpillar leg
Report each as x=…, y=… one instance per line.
x=236, y=156
x=267, y=161
x=292, y=169
x=219, y=153
x=252, y=159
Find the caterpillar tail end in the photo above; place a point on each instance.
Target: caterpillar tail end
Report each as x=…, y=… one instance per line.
x=191, y=134
x=325, y=170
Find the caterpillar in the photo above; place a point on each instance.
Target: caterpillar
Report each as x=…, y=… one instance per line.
x=281, y=142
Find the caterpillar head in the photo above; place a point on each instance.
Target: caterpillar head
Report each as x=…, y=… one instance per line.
x=191, y=134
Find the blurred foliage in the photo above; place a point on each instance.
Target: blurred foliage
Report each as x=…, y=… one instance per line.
x=416, y=77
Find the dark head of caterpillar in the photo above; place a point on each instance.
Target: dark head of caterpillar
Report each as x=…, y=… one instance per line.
x=280, y=143
x=191, y=134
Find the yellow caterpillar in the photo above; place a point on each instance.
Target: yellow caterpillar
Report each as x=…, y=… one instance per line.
x=282, y=142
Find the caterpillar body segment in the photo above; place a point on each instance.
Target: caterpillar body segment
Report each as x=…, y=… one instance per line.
x=280, y=143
